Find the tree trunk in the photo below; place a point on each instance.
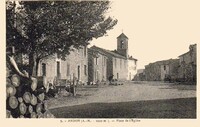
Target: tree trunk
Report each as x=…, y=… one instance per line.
x=22, y=108
x=8, y=114
x=33, y=63
x=13, y=102
x=10, y=90
x=30, y=109
x=37, y=65
x=33, y=100
x=24, y=99
x=15, y=79
x=33, y=115
x=27, y=97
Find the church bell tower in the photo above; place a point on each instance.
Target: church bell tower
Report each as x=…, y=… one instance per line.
x=122, y=45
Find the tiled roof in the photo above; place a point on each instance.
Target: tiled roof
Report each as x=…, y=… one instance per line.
x=122, y=35
x=108, y=52
x=163, y=62
x=93, y=50
x=131, y=58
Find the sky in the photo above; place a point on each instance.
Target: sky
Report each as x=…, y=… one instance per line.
x=157, y=29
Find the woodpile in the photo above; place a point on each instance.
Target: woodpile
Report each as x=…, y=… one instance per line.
x=25, y=97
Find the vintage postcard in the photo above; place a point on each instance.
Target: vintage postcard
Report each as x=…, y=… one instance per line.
x=99, y=63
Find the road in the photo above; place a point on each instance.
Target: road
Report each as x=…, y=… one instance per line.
x=130, y=91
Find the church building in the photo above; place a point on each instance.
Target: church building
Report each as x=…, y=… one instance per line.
x=118, y=62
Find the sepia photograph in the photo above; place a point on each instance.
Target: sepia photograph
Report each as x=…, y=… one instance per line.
x=108, y=61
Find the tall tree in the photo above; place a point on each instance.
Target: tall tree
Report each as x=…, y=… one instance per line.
x=44, y=28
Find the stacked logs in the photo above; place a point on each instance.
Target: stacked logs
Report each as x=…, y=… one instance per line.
x=25, y=97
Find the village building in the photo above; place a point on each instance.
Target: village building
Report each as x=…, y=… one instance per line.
x=89, y=65
x=75, y=67
x=118, y=61
x=132, y=68
x=187, y=69
x=182, y=69
x=117, y=65
x=162, y=70
x=97, y=66
x=122, y=49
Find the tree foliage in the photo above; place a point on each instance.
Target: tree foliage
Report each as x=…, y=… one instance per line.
x=43, y=28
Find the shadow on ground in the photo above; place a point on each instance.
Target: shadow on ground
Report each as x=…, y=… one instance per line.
x=181, y=87
x=172, y=108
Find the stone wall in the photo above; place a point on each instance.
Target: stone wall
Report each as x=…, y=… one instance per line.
x=109, y=66
x=75, y=65
x=173, y=69
x=187, y=70
x=132, y=69
x=120, y=68
x=97, y=63
x=90, y=66
x=140, y=75
x=182, y=69
x=50, y=63
x=161, y=70
x=152, y=72
x=117, y=65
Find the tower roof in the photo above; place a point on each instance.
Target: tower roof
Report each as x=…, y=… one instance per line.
x=122, y=35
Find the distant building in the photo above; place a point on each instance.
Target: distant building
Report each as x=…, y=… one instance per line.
x=140, y=75
x=97, y=66
x=119, y=63
x=182, y=69
x=161, y=70
x=74, y=67
x=187, y=69
x=132, y=68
